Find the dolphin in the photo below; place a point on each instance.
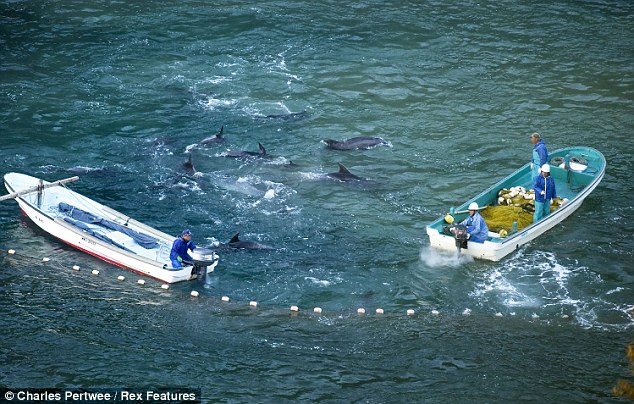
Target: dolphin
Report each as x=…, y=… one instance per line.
x=241, y=154
x=361, y=142
x=217, y=138
x=235, y=242
x=235, y=185
x=189, y=166
x=289, y=116
x=344, y=175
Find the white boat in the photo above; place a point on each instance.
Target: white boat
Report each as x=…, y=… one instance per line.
x=576, y=170
x=101, y=231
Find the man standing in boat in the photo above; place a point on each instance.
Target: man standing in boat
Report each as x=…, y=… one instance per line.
x=539, y=156
x=476, y=227
x=179, y=254
x=545, y=191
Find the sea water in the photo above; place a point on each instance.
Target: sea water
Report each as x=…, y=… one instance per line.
x=116, y=92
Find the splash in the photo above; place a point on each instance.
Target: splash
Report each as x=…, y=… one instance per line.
x=320, y=282
x=212, y=103
x=498, y=288
x=547, y=288
x=435, y=259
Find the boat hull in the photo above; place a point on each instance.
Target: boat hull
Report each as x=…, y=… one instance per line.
x=495, y=247
x=157, y=267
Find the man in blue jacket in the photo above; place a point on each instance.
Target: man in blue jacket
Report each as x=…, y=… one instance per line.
x=545, y=191
x=179, y=253
x=539, y=156
x=476, y=227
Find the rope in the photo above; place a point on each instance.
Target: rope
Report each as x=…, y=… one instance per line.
x=293, y=311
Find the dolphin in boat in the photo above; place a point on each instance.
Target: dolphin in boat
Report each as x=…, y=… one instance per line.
x=361, y=142
x=216, y=138
x=241, y=154
x=289, y=116
x=344, y=175
x=235, y=242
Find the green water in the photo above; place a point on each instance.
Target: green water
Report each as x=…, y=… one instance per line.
x=116, y=92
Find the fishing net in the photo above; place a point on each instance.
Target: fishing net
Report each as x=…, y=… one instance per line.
x=501, y=217
x=514, y=205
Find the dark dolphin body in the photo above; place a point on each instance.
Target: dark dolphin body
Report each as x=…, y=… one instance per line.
x=361, y=142
x=217, y=138
x=290, y=116
x=189, y=166
x=344, y=175
x=241, y=154
x=235, y=242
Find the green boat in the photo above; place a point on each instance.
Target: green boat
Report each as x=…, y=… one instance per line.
x=507, y=205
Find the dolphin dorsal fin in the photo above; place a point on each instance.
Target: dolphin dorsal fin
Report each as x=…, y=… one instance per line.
x=235, y=238
x=221, y=131
x=343, y=169
x=188, y=164
x=262, y=149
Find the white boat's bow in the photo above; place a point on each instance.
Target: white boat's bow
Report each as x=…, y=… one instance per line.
x=99, y=230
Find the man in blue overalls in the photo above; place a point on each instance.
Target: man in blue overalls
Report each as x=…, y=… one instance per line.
x=545, y=191
x=476, y=227
x=179, y=253
x=539, y=156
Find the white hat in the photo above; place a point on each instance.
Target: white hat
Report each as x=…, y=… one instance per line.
x=473, y=206
x=546, y=168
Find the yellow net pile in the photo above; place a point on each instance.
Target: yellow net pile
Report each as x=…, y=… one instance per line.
x=514, y=204
x=501, y=217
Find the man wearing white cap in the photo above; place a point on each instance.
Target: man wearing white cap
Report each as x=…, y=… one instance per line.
x=476, y=227
x=545, y=191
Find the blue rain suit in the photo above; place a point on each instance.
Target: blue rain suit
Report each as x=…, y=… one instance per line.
x=544, y=191
x=539, y=158
x=476, y=227
x=179, y=249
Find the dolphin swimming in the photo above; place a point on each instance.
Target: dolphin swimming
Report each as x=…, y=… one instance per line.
x=216, y=138
x=344, y=175
x=189, y=166
x=361, y=142
x=241, y=154
x=289, y=116
x=239, y=185
x=235, y=242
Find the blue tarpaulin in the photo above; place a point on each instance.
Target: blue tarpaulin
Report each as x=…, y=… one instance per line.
x=79, y=215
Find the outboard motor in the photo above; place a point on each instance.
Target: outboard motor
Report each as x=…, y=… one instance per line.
x=202, y=259
x=460, y=233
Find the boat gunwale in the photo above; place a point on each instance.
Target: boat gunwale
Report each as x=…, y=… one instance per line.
x=175, y=275
x=496, y=244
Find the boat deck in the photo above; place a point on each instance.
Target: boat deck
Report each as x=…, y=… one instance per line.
x=576, y=170
x=52, y=197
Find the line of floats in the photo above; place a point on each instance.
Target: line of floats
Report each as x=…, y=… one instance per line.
x=293, y=309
